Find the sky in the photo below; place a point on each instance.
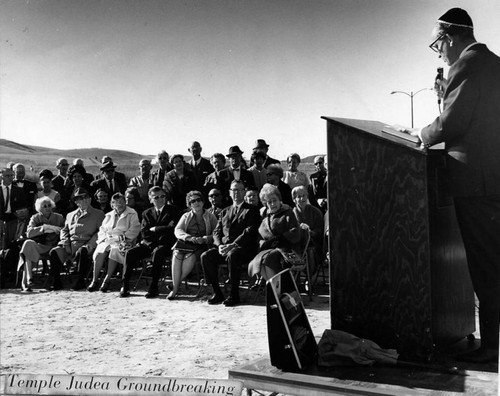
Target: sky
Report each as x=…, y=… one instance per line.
x=149, y=75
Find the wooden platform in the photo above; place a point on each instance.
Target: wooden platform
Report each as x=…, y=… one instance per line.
x=467, y=379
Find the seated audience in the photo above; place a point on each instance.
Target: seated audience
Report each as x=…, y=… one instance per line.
x=179, y=181
x=118, y=232
x=274, y=174
x=216, y=202
x=293, y=177
x=311, y=219
x=252, y=198
x=43, y=233
x=78, y=240
x=235, y=240
x=157, y=232
x=279, y=231
x=257, y=169
x=132, y=197
x=101, y=200
x=194, y=236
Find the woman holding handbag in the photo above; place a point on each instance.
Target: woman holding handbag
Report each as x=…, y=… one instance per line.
x=279, y=232
x=194, y=235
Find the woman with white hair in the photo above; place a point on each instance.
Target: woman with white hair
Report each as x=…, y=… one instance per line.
x=43, y=233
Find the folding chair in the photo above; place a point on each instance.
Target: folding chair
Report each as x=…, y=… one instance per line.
x=303, y=265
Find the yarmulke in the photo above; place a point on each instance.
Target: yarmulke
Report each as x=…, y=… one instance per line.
x=456, y=17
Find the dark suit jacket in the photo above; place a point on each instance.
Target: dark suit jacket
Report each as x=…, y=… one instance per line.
x=60, y=184
x=238, y=227
x=158, y=176
x=226, y=176
x=164, y=233
x=119, y=184
x=470, y=124
x=30, y=191
x=270, y=161
x=17, y=200
x=201, y=171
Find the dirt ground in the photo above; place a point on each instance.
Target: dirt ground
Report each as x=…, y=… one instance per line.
x=77, y=332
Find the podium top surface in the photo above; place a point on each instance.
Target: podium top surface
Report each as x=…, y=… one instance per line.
x=375, y=128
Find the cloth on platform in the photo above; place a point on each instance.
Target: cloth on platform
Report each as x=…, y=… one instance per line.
x=338, y=348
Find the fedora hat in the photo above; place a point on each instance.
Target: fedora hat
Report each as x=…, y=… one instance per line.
x=233, y=150
x=260, y=144
x=107, y=166
x=80, y=193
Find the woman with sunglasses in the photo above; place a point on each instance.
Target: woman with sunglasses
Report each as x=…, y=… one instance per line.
x=43, y=233
x=194, y=236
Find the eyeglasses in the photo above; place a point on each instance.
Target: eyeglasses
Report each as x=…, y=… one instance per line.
x=46, y=206
x=236, y=189
x=158, y=197
x=434, y=45
x=193, y=201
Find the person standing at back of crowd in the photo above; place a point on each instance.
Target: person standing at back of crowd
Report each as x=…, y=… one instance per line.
x=143, y=183
x=257, y=169
x=261, y=145
x=30, y=188
x=470, y=128
x=318, y=188
x=201, y=167
x=164, y=166
x=235, y=171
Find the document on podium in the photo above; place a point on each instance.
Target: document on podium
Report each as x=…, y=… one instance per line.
x=391, y=130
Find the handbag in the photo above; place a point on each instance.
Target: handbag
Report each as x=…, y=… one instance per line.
x=291, y=258
x=184, y=246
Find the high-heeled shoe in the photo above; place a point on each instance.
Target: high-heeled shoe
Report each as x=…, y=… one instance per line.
x=93, y=287
x=105, y=287
x=171, y=296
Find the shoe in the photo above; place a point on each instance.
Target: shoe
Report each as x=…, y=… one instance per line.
x=93, y=287
x=31, y=284
x=124, y=292
x=171, y=296
x=481, y=355
x=104, y=287
x=27, y=289
x=152, y=293
x=231, y=301
x=216, y=299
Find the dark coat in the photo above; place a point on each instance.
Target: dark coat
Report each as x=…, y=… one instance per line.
x=165, y=224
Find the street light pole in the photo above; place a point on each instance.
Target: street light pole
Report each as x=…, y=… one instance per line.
x=411, y=95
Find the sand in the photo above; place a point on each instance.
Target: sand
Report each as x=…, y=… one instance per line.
x=77, y=332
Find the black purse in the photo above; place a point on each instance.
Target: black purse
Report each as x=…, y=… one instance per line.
x=184, y=246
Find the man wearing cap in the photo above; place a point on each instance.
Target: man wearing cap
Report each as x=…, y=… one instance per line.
x=470, y=128
x=200, y=166
x=234, y=171
x=109, y=182
x=78, y=241
x=261, y=145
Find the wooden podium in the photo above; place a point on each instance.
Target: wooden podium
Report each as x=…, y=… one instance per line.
x=398, y=270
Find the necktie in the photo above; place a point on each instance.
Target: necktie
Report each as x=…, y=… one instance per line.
x=7, y=201
x=158, y=214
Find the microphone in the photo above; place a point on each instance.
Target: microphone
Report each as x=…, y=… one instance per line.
x=437, y=87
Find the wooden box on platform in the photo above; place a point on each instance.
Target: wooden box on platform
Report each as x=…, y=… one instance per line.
x=398, y=269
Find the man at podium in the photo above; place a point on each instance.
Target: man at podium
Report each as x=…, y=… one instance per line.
x=470, y=128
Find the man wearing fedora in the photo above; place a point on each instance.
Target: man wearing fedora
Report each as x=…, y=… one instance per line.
x=78, y=241
x=261, y=145
x=235, y=171
x=470, y=128
x=109, y=182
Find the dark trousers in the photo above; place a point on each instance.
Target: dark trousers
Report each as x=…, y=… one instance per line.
x=8, y=263
x=479, y=221
x=158, y=257
x=81, y=258
x=236, y=260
